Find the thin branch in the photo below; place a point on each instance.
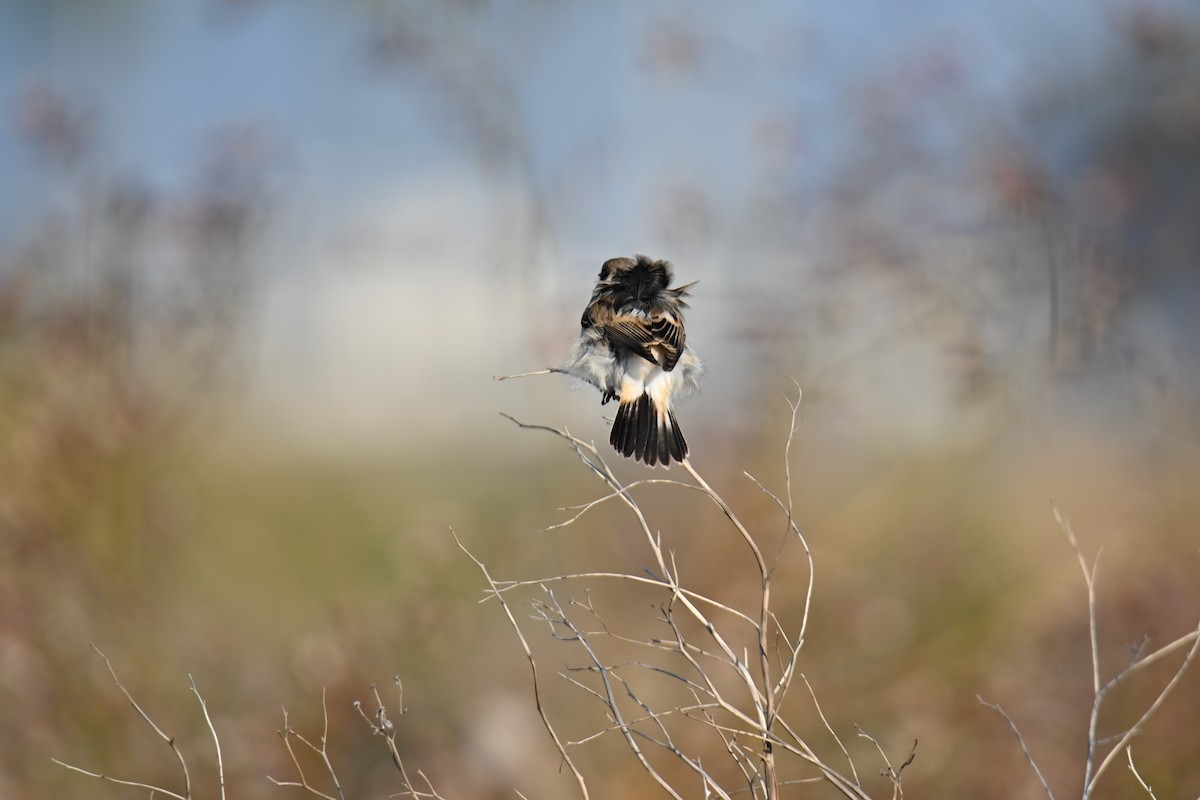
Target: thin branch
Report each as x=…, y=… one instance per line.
x=758, y=712
x=170, y=740
x=287, y=734
x=1149, y=712
x=828, y=727
x=768, y=709
x=1089, y=577
x=324, y=751
x=596, y=463
x=211, y=729
x=730, y=515
x=1165, y=650
x=609, y=698
x=537, y=695
x=504, y=586
x=787, y=447
x=1021, y=739
x=383, y=726
x=1091, y=776
x=546, y=371
x=136, y=784
x=1137, y=775
x=781, y=687
x=893, y=774
x=586, y=507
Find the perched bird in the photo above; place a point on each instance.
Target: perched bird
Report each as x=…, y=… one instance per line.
x=633, y=348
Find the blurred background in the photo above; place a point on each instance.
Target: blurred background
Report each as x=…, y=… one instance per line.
x=259, y=261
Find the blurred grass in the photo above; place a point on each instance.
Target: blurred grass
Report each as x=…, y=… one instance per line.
x=269, y=577
x=134, y=519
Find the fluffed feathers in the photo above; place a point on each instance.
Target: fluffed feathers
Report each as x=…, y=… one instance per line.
x=632, y=340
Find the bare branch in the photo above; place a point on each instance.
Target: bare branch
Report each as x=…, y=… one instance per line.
x=1089, y=577
x=136, y=784
x=546, y=371
x=828, y=727
x=1165, y=650
x=1092, y=773
x=893, y=774
x=1137, y=775
x=609, y=698
x=504, y=586
x=566, y=757
x=287, y=734
x=213, y=731
x=753, y=715
x=1021, y=739
x=1149, y=712
x=586, y=507
x=170, y=740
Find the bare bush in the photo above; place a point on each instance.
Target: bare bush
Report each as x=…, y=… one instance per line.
x=693, y=693
x=1102, y=751
x=712, y=677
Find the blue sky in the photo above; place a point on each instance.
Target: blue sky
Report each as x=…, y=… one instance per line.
x=161, y=77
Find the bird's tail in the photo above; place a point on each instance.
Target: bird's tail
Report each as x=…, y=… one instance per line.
x=648, y=432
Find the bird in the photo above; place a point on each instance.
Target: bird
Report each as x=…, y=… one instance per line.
x=632, y=346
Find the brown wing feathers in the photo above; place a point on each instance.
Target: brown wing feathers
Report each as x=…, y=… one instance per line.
x=645, y=335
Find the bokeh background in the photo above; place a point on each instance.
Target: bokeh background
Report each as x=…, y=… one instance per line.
x=259, y=261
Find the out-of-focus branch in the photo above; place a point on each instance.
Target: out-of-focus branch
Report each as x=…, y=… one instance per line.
x=537, y=694
x=383, y=726
x=1092, y=771
x=170, y=740
x=287, y=734
x=1021, y=740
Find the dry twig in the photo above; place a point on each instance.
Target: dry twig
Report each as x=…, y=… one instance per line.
x=1092, y=772
x=287, y=734
x=735, y=695
x=170, y=740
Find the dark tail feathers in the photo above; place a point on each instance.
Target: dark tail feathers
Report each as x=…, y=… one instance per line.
x=641, y=432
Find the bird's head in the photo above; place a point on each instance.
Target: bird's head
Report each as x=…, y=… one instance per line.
x=641, y=277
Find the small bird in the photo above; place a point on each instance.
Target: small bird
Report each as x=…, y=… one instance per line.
x=633, y=348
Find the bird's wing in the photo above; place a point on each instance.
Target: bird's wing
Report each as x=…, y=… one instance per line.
x=639, y=333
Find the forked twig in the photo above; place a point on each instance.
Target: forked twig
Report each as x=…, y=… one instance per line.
x=287, y=733
x=537, y=694
x=748, y=732
x=383, y=726
x=170, y=740
x=1100, y=691
x=1136, y=774
x=893, y=774
x=1092, y=772
x=828, y=727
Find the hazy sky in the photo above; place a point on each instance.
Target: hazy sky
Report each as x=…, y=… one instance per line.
x=161, y=77
x=504, y=139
